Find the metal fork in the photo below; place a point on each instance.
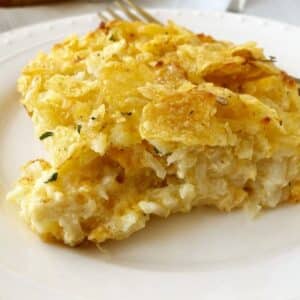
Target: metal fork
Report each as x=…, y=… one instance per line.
x=120, y=9
x=129, y=10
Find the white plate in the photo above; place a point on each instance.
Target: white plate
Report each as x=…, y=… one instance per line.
x=202, y=255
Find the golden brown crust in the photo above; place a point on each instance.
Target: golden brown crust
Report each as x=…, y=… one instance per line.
x=183, y=117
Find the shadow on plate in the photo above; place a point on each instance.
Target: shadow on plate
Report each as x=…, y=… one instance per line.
x=204, y=239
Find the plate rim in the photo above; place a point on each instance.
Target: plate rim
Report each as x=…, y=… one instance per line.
x=197, y=12
x=7, y=37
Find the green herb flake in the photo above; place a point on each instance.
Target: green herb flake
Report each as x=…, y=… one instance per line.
x=129, y=113
x=52, y=178
x=156, y=150
x=93, y=118
x=46, y=134
x=78, y=128
x=271, y=59
x=112, y=38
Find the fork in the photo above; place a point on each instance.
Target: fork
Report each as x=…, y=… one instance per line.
x=129, y=9
x=135, y=13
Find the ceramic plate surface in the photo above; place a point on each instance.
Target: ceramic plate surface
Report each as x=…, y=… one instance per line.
x=201, y=255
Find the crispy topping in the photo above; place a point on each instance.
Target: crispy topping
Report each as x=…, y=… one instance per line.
x=159, y=63
x=290, y=81
x=205, y=38
x=221, y=100
x=266, y=120
x=102, y=25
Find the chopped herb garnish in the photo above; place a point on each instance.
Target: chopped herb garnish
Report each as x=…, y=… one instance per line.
x=78, y=128
x=52, y=178
x=156, y=150
x=270, y=59
x=112, y=38
x=93, y=118
x=221, y=100
x=46, y=134
x=129, y=113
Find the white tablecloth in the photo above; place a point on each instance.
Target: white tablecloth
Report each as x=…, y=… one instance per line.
x=283, y=10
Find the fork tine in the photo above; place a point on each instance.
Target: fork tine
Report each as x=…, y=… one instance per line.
x=113, y=13
x=126, y=11
x=142, y=12
x=102, y=16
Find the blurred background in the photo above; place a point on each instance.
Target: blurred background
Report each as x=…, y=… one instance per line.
x=16, y=13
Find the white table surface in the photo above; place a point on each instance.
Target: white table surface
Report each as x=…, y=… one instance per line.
x=282, y=10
